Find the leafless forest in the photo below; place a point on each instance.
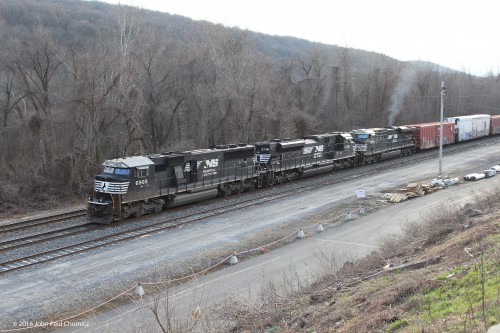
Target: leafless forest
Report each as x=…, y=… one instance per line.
x=82, y=82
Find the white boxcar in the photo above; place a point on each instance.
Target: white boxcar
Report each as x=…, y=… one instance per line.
x=471, y=127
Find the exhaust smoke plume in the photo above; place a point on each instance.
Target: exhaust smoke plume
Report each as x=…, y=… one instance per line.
x=403, y=87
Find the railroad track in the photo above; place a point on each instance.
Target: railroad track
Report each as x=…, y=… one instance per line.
x=46, y=256
x=174, y=223
x=46, y=236
x=22, y=225
x=112, y=239
x=65, y=251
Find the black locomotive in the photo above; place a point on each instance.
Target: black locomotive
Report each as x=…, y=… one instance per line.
x=373, y=142
x=279, y=161
x=143, y=184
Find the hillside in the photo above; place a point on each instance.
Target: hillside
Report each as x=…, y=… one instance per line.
x=83, y=81
x=438, y=276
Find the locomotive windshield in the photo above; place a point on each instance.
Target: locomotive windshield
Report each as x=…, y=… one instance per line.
x=262, y=149
x=117, y=171
x=360, y=137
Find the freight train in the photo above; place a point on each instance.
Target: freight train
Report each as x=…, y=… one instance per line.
x=137, y=185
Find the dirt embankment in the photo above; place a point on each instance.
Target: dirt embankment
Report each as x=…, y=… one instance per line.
x=437, y=276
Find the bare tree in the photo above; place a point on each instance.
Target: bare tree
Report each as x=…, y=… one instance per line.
x=94, y=84
x=164, y=89
x=130, y=22
x=346, y=63
x=226, y=91
x=11, y=100
x=312, y=74
x=423, y=97
x=383, y=79
x=36, y=64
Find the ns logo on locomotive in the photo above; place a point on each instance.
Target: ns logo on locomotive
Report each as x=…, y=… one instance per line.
x=133, y=186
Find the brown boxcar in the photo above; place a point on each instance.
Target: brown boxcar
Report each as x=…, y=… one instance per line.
x=427, y=135
x=495, y=125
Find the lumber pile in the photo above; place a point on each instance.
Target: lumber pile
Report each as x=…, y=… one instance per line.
x=412, y=190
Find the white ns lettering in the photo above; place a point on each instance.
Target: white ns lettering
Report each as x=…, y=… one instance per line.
x=212, y=163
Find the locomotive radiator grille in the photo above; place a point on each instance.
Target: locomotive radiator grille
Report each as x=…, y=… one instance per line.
x=109, y=187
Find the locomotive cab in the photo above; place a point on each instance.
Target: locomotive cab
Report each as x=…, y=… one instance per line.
x=263, y=152
x=112, y=185
x=373, y=142
x=363, y=138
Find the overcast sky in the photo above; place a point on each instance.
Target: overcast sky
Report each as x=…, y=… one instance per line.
x=460, y=34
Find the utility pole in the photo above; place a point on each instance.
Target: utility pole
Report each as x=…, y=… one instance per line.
x=443, y=89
